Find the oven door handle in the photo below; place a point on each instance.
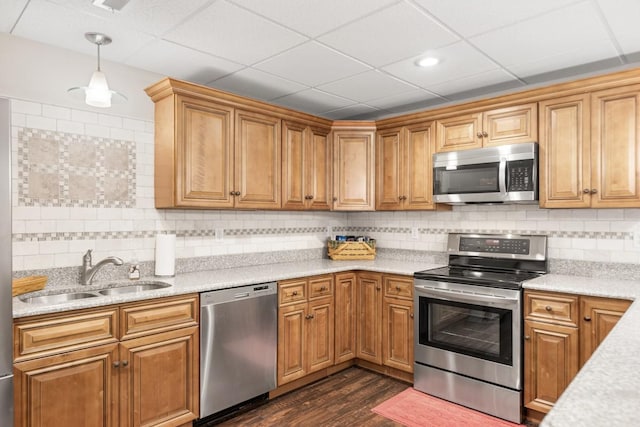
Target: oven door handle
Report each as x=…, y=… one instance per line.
x=463, y=297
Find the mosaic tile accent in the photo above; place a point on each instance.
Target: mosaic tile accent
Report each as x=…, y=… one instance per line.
x=71, y=170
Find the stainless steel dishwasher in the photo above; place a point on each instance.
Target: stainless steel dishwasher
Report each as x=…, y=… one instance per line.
x=238, y=345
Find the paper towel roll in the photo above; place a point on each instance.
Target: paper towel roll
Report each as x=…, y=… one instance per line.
x=165, y=254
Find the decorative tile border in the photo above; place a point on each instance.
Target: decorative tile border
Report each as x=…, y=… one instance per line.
x=71, y=170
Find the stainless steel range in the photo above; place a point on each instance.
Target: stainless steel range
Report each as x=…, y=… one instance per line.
x=468, y=331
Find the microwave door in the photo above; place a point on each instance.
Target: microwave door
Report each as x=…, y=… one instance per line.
x=469, y=183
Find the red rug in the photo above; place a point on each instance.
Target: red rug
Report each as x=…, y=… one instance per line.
x=415, y=409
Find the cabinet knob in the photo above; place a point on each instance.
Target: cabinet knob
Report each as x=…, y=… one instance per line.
x=485, y=134
x=479, y=134
x=548, y=308
x=237, y=193
x=125, y=363
x=335, y=199
x=593, y=191
x=397, y=288
x=411, y=315
x=586, y=191
x=527, y=337
x=587, y=318
x=323, y=288
x=294, y=293
x=310, y=196
x=116, y=364
x=378, y=288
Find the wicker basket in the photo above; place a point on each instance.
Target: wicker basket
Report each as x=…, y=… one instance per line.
x=339, y=250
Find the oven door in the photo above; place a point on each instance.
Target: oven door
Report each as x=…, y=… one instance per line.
x=470, y=330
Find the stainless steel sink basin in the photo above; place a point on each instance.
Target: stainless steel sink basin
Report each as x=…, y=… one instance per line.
x=57, y=298
x=138, y=287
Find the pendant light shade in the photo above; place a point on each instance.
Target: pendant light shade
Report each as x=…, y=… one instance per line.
x=97, y=93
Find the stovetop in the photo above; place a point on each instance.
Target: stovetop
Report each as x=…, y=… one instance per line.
x=474, y=276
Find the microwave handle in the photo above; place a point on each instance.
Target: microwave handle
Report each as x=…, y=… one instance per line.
x=502, y=176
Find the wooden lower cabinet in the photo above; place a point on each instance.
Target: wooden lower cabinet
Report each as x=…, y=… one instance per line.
x=369, y=317
x=305, y=327
x=149, y=380
x=397, y=332
x=561, y=332
x=345, y=317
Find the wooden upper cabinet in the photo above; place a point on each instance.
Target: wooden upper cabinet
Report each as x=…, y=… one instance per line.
x=404, y=168
x=501, y=126
x=354, y=168
x=257, y=161
x=306, y=167
x=615, y=148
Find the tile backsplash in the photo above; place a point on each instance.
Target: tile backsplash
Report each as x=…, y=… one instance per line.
x=83, y=180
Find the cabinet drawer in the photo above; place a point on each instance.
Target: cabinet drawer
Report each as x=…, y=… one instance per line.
x=292, y=291
x=150, y=317
x=53, y=334
x=551, y=307
x=320, y=287
x=398, y=287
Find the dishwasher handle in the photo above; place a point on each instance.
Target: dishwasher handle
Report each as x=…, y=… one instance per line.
x=234, y=294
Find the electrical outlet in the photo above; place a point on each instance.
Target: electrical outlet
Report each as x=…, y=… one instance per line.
x=415, y=233
x=219, y=233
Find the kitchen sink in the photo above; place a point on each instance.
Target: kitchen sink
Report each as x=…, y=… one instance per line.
x=138, y=287
x=57, y=298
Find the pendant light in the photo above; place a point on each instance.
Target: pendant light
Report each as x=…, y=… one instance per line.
x=97, y=93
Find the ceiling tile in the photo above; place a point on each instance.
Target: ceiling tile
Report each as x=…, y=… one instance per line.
x=313, y=101
x=349, y=112
x=475, y=17
x=60, y=26
x=622, y=17
x=230, y=32
x=150, y=16
x=392, y=34
x=313, y=17
x=456, y=61
x=366, y=86
x=257, y=84
x=400, y=99
x=463, y=84
x=575, y=32
x=176, y=61
x=9, y=13
x=312, y=64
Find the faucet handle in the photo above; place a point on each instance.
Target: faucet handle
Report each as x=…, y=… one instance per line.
x=87, y=257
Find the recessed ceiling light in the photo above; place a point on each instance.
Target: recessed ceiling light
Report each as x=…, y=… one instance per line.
x=428, y=61
x=110, y=5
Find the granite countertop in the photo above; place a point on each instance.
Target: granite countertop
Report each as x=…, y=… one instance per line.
x=203, y=281
x=606, y=391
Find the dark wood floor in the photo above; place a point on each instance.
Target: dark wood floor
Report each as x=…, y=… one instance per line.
x=343, y=399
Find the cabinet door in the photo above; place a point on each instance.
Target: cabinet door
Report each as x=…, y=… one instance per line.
x=459, y=133
x=354, y=163
x=159, y=379
x=204, y=152
x=292, y=336
x=599, y=316
x=318, y=164
x=397, y=334
x=389, y=170
x=294, y=192
x=345, y=317
x=257, y=161
x=565, y=152
x=550, y=363
x=369, y=336
x=615, y=147
x=418, y=167
x=78, y=388
x=510, y=125
x=320, y=336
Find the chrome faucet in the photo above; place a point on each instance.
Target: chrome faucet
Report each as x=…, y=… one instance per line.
x=88, y=270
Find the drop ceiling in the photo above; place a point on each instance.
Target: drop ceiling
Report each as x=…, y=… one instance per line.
x=352, y=59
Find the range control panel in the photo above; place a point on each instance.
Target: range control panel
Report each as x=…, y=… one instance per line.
x=494, y=245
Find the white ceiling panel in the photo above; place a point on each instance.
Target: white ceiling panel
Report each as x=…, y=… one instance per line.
x=313, y=17
x=387, y=36
x=150, y=16
x=57, y=25
x=186, y=64
x=471, y=17
x=463, y=84
x=366, y=86
x=623, y=17
x=10, y=11
x=313, y=101
x=570, y=31
x=350, y=111
x=227, y=31
x=456, y=61
x=257, y=84
x=403, y=98
x=314, y=64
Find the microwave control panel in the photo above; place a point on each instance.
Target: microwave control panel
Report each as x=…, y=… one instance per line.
x=520, y=175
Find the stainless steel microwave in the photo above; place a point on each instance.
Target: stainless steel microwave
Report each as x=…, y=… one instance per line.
x=502, y=174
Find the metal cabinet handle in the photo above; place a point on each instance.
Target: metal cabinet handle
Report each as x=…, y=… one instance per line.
x=323, y=288
x=397, y=288
x=586, y=191
x=411, y=315
x=527, y=337
x=116, y=364
x=125, y=363
x=479, y=134
x=548, y=308
x=309, y=316
x=593, y=191
x=485, y=134
x=587, y=318
x=294, y=293
x=378, y=288
x=335, y=199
